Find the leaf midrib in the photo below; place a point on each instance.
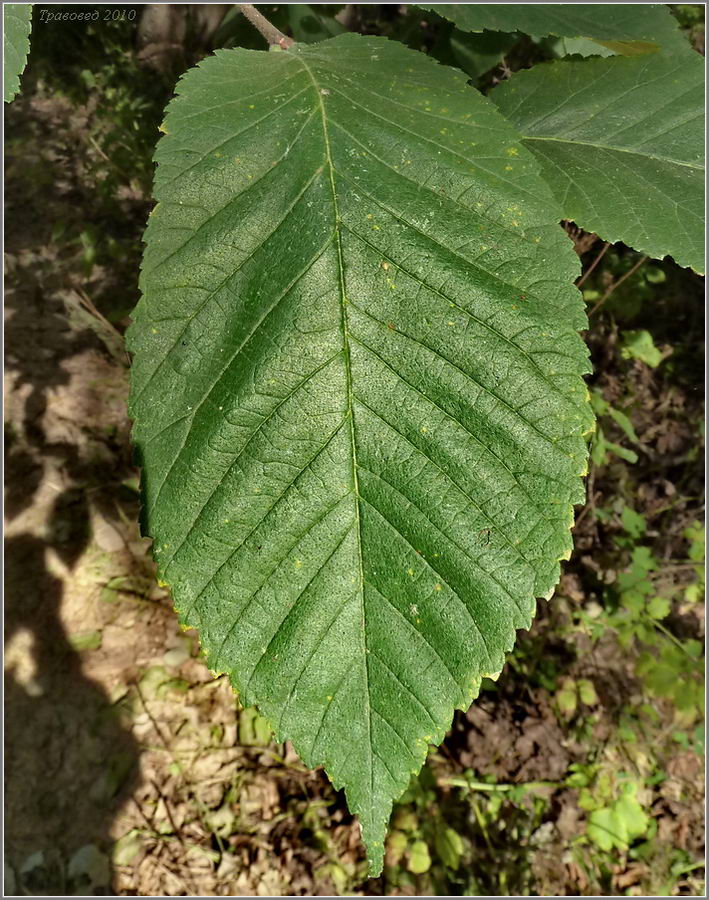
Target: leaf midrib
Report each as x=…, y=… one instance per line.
x=337, y=237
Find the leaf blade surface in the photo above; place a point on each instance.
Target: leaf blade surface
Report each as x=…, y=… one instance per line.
x=357, y=392
x=620, y=141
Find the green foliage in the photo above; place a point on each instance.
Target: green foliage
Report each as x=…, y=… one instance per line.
x=616, y=816
x=635, y=609
x=419, y=858
x=619, y=824
x=449, y=846
x=675, y=671
x=17, y=22
x=621, y=143
x=695, y=535
x=573, y=692
x=355, y=497
x=96, y=65
x=429, y=851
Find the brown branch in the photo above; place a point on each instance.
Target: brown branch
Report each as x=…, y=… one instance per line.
x=274, y=37
x=593, y=265
x=618, y=283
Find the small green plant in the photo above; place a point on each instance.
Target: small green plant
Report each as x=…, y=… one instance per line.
x=601, y=447
x=616, y=818
x=635, y=610
x=423, y=840
x=640, y=345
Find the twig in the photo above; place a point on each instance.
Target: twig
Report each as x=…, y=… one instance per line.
x=270, y=32
x=456, y=781
x=593, y=264
x=175, y=829
x=668, y=633
x=618, y=283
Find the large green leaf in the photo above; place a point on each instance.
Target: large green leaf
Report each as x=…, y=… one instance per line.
x=625, y=28
x=17, y=21
x=357, y=393
x=621, y=142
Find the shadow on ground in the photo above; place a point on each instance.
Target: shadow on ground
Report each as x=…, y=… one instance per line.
x=70, y=759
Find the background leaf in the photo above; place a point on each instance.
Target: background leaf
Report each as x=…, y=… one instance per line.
x=357, y=393
x=478, y=53
x=312, y=23
x=621, y=143
x=17, y=21
x=629, y=29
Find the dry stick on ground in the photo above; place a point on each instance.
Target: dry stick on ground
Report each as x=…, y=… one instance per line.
x=274, y=37
x=593, y=264
x=617, y=284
